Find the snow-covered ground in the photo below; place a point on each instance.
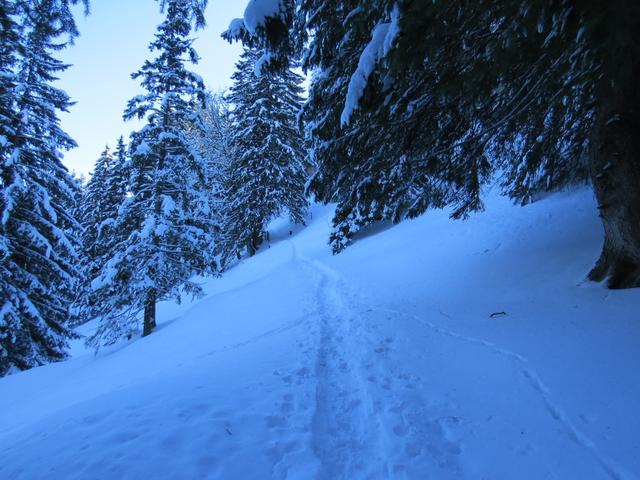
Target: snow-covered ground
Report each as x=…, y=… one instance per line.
x=383, y=362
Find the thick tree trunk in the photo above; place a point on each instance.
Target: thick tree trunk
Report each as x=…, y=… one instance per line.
x=615, y=172
x=254, y=243
x=149, y=314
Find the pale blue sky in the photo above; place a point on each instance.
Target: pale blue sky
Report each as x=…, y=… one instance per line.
x=113, y=43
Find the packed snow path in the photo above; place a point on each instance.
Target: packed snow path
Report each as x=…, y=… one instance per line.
x=374, y=419
x=379, y=363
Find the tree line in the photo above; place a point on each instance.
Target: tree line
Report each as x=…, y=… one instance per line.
x=412, y=105
x=419, y=104
x=184, y=196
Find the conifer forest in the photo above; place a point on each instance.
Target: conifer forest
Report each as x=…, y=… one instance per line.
x=400, y=240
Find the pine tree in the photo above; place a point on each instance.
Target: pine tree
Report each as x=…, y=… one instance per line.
x=39, y=275
x=166, y=220
x=10, y=47
x=275, y=30
x=93, y=211
x=210, y=137
x=340, y=34
x=267, y=170
x=445, y=97
x=102, y=197
x=117, y=187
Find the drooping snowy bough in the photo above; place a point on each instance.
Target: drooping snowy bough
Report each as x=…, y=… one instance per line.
x=419, y=104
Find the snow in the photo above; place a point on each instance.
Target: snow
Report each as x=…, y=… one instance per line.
x=257, y=12
x=143, y=148
x=255, y=16
x=383, y=362
x=168, y=205
x=393, y=32
x=106, y=277
x=236, y=28
x=148, y=226
x=261, y=63
x=382, y=38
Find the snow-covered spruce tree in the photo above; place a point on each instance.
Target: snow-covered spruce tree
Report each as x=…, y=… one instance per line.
x=38, y=255
x=10, y=46
x=10, y=317
x=79, y=182
x=267, y=171
x=210, y=135
x=102, y=198
x=275, y=29
x=117, y=186
x=165, y=222
x=92, y=209
x=445, y=96
x=342, y=32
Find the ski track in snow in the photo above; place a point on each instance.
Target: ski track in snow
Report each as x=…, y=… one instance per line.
x=355, y=410
x=365, y=425
x=342, y=435
x=343, y=393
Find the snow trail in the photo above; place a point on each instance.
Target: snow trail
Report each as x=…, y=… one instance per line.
x=406, y=432
x=370, y=419
x=292, y=367
x=344, y=434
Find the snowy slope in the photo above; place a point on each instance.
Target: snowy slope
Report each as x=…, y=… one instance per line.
x=380, y=363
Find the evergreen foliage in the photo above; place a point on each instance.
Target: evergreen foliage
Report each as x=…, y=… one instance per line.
x=165, y=222
x=418, y=104
x=38, y=247
x=93, y=212
x=10, y=47
x=210, y=137
x=267, y=171
x=102, y=197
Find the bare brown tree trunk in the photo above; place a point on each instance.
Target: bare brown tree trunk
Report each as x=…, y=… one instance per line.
x=149, y=314
x=615, y=172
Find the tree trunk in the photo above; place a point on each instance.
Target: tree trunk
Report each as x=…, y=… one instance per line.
x=254, y=243
x=615, y=172
x=149, y=314
x=251, y=249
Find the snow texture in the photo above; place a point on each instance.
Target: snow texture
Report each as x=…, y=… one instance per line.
x=236, y=27
x=382, y=39
x=258, y=11
x=262, y=62
x=434, y=349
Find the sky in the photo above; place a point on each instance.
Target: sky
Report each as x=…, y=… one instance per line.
x=113, y=43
